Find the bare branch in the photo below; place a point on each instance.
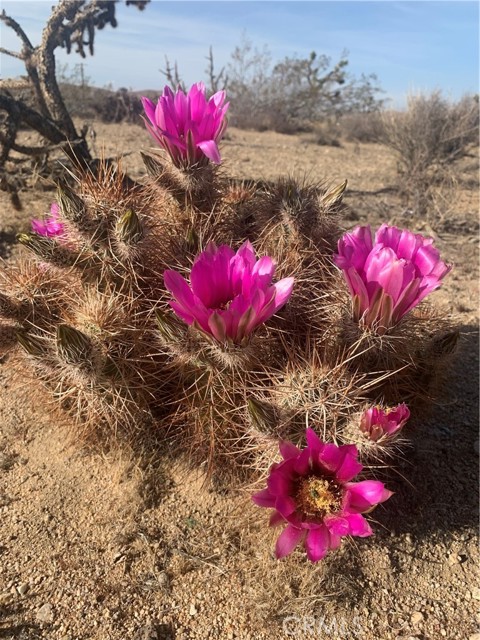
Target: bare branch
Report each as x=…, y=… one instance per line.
x=13, y=24
x=13, y=54
x=14, y=83
x=71, y=25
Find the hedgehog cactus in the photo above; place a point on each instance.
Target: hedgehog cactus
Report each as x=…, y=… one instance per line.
x=249, y=351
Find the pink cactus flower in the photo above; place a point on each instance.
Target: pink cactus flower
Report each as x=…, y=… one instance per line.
x=50, y=226
x=378, y=424
x=389, y=277
x=189, y=126
x=230, y=294
x=311, y=493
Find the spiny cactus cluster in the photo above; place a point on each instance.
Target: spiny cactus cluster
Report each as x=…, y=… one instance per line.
x=213, y=311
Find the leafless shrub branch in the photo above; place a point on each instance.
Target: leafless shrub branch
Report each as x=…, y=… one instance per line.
x=428, y=137
x=71, y=25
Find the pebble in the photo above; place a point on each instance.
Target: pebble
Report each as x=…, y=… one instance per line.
x=45, y=613
x=146, y=632
x=475, y=636
x=193, y=610
x=476, y=593
x=23, y=588
x=416, y=618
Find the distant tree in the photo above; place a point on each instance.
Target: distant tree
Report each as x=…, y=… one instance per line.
x=289, y=95
x=36, y=101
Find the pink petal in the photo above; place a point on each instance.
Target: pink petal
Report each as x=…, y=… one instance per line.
x=276, y=519
x=178, y=287
x=283, y=289
x=288, y=540
x=210, y=149
x=280, y=481
x=149, y=109
x=331, y=457
x=317, y=543
x=288, y=449
x=363, y=495
x=285, y=505
x=338, y=525
x=217, y=327
x=302, y=463
x=184, y=315
x=349, y=468
x=38, y=226
x=264, y=499
x=358, y=526
x=263, y=272
x=314, y=443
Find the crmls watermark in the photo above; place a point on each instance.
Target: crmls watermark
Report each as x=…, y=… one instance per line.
x=322, y=626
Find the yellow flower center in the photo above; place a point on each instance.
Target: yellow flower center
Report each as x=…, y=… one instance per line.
x=318, y=497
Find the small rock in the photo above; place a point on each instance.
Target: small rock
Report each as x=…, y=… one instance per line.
x=45, y=614
x=443, y=632
x=163, y=580
x=476, y=593
x=416, y=618
x=475, y=636
x=193, y=610
x=23, y=588
x=452, y=559
x=146, y=632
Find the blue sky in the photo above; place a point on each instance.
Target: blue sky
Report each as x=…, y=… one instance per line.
x=411, y=45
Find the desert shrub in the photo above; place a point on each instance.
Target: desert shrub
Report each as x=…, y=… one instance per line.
x=296, y=92
x=327, y=134
x=119, y=106
x=289, y=96
x=77, y=90
x=428, y=137
x=360, y=127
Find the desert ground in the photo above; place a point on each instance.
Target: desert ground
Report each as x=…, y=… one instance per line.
x=113, y=544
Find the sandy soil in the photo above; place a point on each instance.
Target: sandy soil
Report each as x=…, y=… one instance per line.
x=113, y=545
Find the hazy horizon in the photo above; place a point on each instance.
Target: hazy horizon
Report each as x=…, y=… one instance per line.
x=411, y=46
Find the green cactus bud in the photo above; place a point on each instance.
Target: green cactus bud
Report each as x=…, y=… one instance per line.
x=47, y=249
x=192, y=241
x=263, y=415
x=334, y=196
x=50, y=250
x=72, y=206
x=32, y=344
x=129, y=227
x=73, y=346
x=154, y=167
x=170, y=329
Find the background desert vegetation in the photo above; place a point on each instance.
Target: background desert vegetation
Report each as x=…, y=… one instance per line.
x=112, y=543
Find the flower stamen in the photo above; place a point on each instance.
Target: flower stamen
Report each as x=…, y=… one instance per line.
x=318, y=496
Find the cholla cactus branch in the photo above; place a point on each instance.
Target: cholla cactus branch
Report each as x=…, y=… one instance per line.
x=72, y=22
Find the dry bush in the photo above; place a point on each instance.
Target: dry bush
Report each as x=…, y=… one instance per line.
x=360, y=127
x=428, y=137
x=119, y=106
x=293, y=95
